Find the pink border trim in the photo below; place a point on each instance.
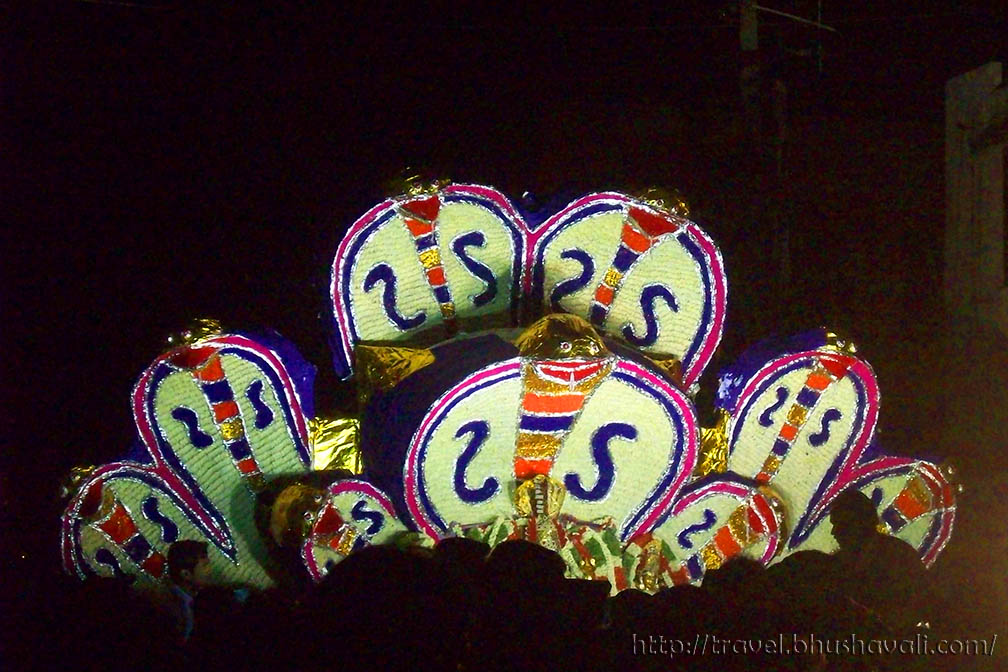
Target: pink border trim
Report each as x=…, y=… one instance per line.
x=535, y=237
x=689, y=455
x=341, y=312
x=720, y=301
x=688, y=459
x=867, y=430
x=145, y=424
x=890, y=462
x=410, y=492
x=743, y=493
x=719, y=283
x=160, y=467
x=159, y=470
x=338, y=488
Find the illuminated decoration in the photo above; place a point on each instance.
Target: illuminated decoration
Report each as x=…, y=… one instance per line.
x=514, y=382
x=335, y=444
x=800, y=416
x=715, y=520
x=590, y=549
x=523, y=416
x=418, y=266
x=421, y=265
x=215, y=418
x=915, y=500
x=353, y=515
x=637, y=272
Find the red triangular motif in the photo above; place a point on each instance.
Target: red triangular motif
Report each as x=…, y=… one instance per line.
x=423, y=208
x=652, y=224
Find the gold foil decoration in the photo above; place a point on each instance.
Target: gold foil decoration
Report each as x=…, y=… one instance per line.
x=539, y=496
x=537, y=446
x=335, y=444
x=197, y=330
x=776, y=503
x=647, y=573
x=771, y=464
x=430, y=258
x=713, y=457
x=646, y=579
x=546, y=533
x=613, y=277
x=346, y=541
x=72, y=482
x=669, y=200
x=738, y=523
x=841, y=345
x=293, y=512
x=412, y=182
x=951, y=474
x=232, y=429
x=711, y=558
x=797, y=415
x=546, y=338
x=671, y=367
x=380, y=368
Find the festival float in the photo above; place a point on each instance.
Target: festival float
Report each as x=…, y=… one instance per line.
x=515, y=380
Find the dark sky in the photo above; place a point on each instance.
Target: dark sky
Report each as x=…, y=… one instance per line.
x=165, y=161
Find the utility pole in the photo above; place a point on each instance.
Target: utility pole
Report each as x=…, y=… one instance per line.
x=765, y=206
x=749, y=76
x=768, y=162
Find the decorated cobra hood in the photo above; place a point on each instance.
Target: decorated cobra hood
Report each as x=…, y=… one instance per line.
x=216, y=417
x=515, y=381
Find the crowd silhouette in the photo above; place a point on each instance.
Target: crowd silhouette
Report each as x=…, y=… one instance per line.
x=462, y=606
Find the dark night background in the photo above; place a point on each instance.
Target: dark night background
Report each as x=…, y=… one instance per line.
x=164, y=161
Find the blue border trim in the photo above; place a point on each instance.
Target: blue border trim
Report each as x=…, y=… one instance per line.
x=341, y=359
x=538, y=267
x=299, y=370
x=156, y=483
x=755, y=357
x=304, y=452
x=804, y=526
x=422, y=457
x=163, y=370
x=517, y=237
x=347, y=270
x=726, y=477
x=929, y=539
x=708, y=308
x=673, y=467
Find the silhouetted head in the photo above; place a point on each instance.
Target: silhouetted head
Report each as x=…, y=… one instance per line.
x=460, y=552
x=629, y=606
x=737, y=578
x=526, y=563
x=189, y=564
x=854, y=519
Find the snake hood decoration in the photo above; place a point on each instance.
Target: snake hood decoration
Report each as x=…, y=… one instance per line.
x=516, y=381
